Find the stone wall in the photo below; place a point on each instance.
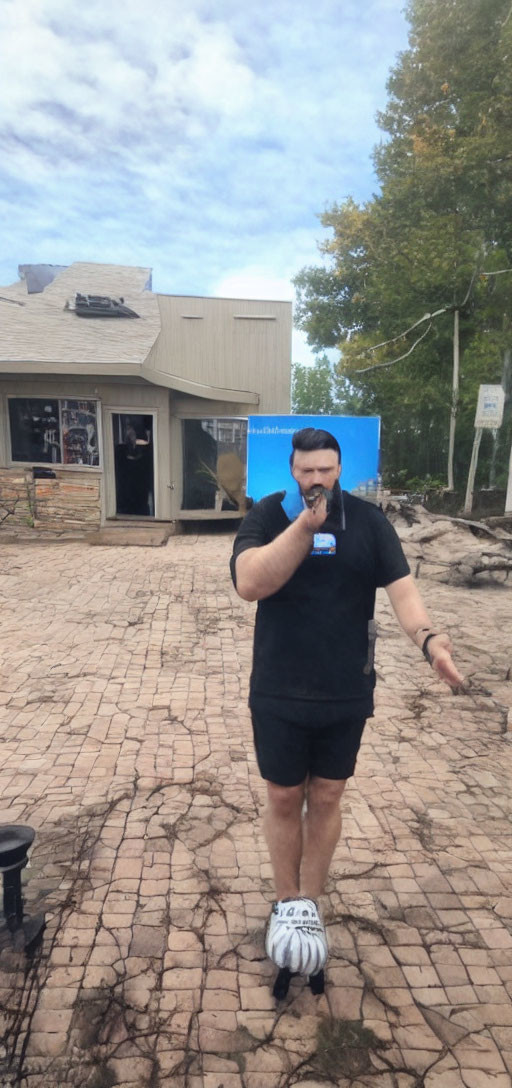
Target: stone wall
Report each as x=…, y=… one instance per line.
x=70, y=501
x=16, y=499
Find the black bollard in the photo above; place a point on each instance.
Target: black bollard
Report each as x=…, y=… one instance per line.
x=13, y=898
x=15, y=840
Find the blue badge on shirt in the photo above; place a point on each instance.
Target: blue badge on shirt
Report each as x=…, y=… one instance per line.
x=323, y=544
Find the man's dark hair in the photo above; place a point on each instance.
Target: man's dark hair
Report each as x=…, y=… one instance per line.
x=312, y=438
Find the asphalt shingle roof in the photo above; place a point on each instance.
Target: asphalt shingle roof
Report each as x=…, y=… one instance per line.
x=43, y=330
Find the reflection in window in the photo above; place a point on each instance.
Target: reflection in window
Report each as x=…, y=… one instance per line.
x=79, y=432
x=214, y=460
x=35, y=430
x=54, y=431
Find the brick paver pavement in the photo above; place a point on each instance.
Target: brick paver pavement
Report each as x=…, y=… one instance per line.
x=126, y=743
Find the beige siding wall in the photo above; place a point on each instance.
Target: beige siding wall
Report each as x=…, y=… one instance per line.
x=227, y=344
x=199, y=407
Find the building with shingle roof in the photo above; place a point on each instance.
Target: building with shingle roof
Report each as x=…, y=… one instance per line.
x=121, y=404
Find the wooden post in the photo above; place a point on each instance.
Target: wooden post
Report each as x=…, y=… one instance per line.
x=468, y=505
x=508, y=500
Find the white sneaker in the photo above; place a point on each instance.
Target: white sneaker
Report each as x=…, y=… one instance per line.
x=296, y=936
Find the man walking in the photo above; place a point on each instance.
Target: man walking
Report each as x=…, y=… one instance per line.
x=313, y=559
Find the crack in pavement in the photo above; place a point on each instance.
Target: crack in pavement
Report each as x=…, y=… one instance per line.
x=139, y=776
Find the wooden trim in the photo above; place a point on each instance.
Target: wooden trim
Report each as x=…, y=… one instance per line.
x=208, y=515
x=198, y=389
x=23, y=368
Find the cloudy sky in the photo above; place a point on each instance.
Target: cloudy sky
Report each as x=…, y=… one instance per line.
x=201, y=138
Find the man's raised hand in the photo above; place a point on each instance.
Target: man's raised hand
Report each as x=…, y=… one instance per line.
x=313, y=517
x=439, y=649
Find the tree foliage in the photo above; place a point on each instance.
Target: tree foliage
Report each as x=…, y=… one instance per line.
x=313, y=388
x=320, y=389
x=429, y=241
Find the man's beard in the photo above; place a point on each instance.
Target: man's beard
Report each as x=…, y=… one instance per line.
x=314, y=493
x=335, y=515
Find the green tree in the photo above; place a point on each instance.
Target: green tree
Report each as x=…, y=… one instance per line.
x=319, y=389
x=430, y=242
x=313, y=388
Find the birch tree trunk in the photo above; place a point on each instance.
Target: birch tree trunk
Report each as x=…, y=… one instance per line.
x=455, y=398
x=506, y=376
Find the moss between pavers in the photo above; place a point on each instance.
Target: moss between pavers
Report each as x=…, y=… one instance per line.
x=102, y=1077
x=343, y=1047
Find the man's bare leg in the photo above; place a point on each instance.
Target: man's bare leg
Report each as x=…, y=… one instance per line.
x=295, y=938
x=322, y=828
x=282, y=825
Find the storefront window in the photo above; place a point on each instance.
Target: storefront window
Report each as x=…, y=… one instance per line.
x=214, y=464
x=80, y=432
x=58, y=432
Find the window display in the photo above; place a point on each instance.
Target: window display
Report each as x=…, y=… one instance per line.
x=35, y=429
x=59, y=432
x=214, y=460
x=79, y=432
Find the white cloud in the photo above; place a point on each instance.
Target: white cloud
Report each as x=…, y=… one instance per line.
x=254, y=283
x=199, y=139
x=92, y=79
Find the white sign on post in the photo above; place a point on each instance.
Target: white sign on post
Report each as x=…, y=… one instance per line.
x=489, y=409
x=489, y=413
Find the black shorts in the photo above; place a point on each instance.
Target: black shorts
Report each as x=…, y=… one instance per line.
x=296, y=739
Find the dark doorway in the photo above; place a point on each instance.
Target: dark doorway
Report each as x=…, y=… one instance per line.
x=133, y=449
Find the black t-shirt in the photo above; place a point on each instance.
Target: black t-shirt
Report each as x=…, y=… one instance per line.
x=311, y=637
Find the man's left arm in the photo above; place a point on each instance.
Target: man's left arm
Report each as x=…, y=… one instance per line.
x=415, y=621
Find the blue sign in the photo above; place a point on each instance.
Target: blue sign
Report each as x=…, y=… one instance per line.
x=269, y=444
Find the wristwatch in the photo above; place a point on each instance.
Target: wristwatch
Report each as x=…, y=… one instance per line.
x=424, y=648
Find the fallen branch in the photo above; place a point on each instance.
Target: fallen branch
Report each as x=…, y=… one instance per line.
x=475, y=527
x=405, y=510
x=496, y=564
x=463, y=571
x=425, y=535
